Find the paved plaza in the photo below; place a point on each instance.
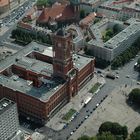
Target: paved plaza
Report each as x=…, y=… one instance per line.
x=115, y=109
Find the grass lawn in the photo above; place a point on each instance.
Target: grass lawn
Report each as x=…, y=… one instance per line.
x=69, y=114
x=95, y=87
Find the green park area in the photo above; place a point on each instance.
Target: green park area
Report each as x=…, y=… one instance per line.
x=110, y=32
x=69, y=114
x=95, y=87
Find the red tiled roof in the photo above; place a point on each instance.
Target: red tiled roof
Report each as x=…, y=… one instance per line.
x=88, y=19
x=4, y=2
x=25, y=25
x=56, y=12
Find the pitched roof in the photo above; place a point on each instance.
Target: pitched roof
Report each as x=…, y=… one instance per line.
x=4, y=2
x=88, y=19
x=25, y=25
x=57, y=12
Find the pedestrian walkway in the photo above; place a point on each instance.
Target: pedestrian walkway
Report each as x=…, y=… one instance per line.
x=76, y=103
x=3, y=30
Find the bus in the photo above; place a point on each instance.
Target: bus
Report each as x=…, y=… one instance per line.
x=87, y=100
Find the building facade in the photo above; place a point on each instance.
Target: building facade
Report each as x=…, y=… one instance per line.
x=117, y=44
x=41, y=80
x=9, y=123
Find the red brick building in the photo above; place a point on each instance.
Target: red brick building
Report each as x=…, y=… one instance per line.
x=58, y=13
x=41, y=80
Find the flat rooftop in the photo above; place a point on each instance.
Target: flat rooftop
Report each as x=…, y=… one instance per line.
x=115, y=4
x=50, y=86
x=123, y=35
x=115, y=41
x=135, y=5
x=18, y=84
x=90, y=1
x=36, y=66
x=5, y=104
x=5, y=52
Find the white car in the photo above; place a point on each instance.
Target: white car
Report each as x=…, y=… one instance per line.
x=97, y=105
x=117, y=76
x=71, y=133
x=127, y=76
x=102, y=75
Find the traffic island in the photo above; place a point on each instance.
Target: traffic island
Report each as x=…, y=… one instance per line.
x=69, y=114
x=95, y=88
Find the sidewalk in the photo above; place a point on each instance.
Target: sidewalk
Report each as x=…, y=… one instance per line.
x=76, y=103
x=3, y=30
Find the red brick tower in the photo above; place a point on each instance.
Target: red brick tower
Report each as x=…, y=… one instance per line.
x=62, y=54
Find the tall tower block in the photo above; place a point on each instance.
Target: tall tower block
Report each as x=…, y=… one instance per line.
x=62, y=54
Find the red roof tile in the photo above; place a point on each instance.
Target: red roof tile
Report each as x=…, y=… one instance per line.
x=56, y=12
x=88, y=19
x=25, y=25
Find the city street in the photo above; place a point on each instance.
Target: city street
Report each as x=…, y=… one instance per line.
x=105, y=90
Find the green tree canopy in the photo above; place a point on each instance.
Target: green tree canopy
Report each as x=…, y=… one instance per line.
x=134, y=96
x=114, y=128
x=43, y=3
x=82, y=13
x=135, y=136
x=106, y=136
x=137, y=129
x=85, y=137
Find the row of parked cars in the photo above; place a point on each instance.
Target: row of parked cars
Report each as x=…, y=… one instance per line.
x=16, y=14
x=88, y=112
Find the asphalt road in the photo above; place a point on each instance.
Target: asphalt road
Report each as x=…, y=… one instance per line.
x=91, y=106
x=12, y=24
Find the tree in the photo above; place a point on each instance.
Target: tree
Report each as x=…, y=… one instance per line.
x=82, y=13
x=137, y=129
x=43, y=2
x=106, y=136
x=109, y=32
x=114, y=128
x=135, y=136
x=134, y=96
x=116, y=28
x=85, y=137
